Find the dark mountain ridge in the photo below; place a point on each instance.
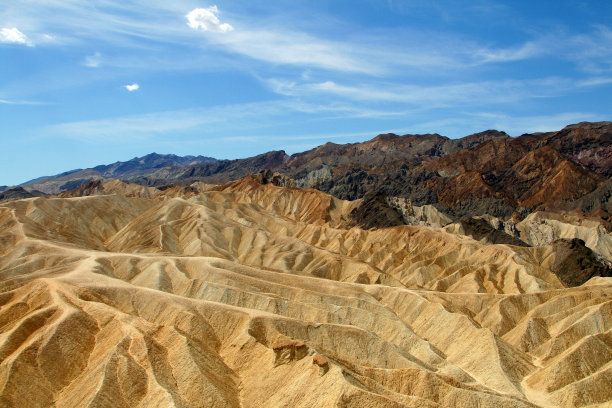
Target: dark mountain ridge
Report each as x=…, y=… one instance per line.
x=500, y=176
x=136, y=167
x=218, y=172
x=139, y=166
x=483, y=173
x=17, y=193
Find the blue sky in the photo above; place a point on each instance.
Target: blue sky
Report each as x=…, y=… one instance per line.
x=91, y=82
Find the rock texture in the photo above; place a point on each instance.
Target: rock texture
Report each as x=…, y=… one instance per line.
x=254, y=295
x=496, y=175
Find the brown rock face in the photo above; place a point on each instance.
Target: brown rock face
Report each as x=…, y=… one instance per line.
x=487, y=173
x=287, y=351
x=375, y=212
x=540, y=178
x=575, y=263
x=321, y=362
x=16, y=193
x=589, y=144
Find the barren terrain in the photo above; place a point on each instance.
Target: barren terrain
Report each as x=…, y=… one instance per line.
x=254, y=295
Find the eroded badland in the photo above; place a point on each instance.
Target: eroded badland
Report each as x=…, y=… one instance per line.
x=255, y=295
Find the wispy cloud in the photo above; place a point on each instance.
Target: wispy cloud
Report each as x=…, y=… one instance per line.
x=125, y=128
x=20, y=102
x=435, y=96
x=132, y=87
x=93, y=61
x=248, y=122
x=228, y=119
x=207, y=19
x=593, y=51
x=123, y=24
x=530, y=49
x=596, y=81
x=299, y=49
x=14, y=36
x=280, y=41
x=416, y=52
x=152, y=125
x=432, y=96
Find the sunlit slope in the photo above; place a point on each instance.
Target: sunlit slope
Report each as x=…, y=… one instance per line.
x=253, y=295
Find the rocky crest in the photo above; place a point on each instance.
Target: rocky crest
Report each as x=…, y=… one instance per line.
x=484, y=173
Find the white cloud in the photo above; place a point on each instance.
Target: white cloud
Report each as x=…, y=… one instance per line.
x=595, y=81
x=20, y=102
x=528, y=50
x=277, y=39
x=592, y=52
x=93, y=61
x=212, y=121
x=14, y=36
x=207, y=19
x=446, y=95
x=301, y=49
x=132, y=87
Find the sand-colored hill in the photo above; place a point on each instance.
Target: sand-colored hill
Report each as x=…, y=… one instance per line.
x=542, y=228
x=254, y=295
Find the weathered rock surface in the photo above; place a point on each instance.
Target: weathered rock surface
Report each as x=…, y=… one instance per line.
x=543, y=228
x=486, y=230
x=254, y=295
x=575, y=264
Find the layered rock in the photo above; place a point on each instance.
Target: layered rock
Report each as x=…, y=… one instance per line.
x=255, y=295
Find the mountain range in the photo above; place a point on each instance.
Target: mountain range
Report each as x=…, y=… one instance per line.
x=484, y=173
x=404, y=271
x=136, y=167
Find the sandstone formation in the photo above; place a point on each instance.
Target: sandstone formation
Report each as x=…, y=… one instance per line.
x=251, y=294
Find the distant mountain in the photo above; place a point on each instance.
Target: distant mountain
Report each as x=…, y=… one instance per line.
x=17, y=193
x=568, y=169
x=136, y=167
x=314, y=167
x=483, y=173
x=140, y=166
x=309, y=169
x=217, y=172
x=589, y=144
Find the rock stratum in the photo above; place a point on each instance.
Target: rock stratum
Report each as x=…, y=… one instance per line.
x=251, y=294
